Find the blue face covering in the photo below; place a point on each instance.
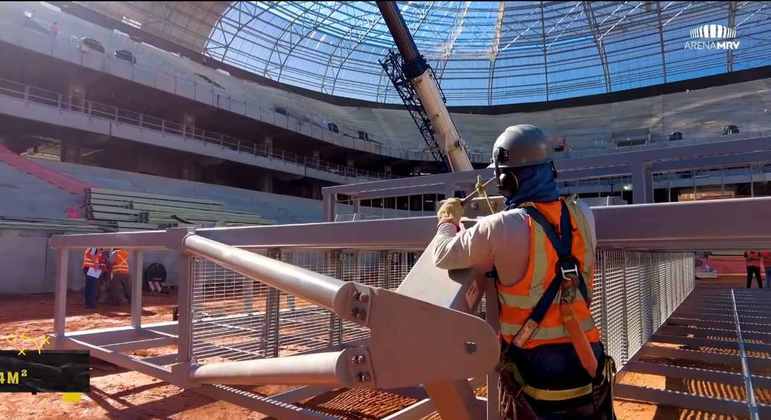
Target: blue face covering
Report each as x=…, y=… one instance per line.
x=536, y=183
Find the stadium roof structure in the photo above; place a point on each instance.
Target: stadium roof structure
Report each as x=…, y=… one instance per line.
x=485, y=53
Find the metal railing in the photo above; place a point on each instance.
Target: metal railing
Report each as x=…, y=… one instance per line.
x=635, y=292
x=124, y=116
x=238, y=318
x=247, y=319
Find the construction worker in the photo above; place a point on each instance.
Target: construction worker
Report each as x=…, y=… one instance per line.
x=119, y=285
x=767, y=265
x=92, y=272
x=754, y=260
x=540, y=251
x=104, y=278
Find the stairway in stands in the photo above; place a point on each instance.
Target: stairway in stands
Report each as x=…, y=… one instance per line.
x=65, y=182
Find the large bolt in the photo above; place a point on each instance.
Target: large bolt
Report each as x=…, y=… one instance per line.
x=359, y=359
x=471, y=347
x=364, y=377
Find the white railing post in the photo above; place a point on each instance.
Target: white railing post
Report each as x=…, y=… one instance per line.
x=60, y=302
x=136, y=288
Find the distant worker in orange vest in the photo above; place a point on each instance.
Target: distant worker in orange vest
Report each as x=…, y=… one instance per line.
x=767, y=265
x=92, y=272
x=753, y=260
x=119, y=284
x=540, y=251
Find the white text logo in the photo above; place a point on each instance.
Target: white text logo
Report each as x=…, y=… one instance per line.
x=712, y=37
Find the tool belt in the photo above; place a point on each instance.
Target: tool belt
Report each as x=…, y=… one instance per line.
x=596, y=397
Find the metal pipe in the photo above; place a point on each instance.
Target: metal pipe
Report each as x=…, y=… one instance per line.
x=136, y=288
x=317, y=288
x=400, y=32
x=307, y=369
x=424, y=82
x=60, y=302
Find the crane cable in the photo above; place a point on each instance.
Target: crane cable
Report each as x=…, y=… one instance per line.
x=479, y=189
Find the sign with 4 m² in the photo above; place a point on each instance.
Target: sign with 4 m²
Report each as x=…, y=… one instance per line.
x=44, y=371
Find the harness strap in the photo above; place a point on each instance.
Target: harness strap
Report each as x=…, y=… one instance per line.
x=563, y=246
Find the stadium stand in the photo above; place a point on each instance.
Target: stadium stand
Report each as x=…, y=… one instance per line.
x=695, y=113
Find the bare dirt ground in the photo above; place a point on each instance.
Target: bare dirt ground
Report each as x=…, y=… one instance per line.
x=120, y=394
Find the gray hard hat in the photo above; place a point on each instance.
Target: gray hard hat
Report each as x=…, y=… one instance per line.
x=520, y=145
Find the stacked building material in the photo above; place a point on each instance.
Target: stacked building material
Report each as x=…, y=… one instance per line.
x=52, y=225
x=135, y=210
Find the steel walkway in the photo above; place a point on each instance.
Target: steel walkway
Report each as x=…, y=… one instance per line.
x=714, y=351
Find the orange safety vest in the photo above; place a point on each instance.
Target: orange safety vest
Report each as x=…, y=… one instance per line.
x=90, y=259
x=121, y=262
x=753, y=258
x=518, y=300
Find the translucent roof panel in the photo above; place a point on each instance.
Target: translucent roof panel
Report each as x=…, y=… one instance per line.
x=490, y=53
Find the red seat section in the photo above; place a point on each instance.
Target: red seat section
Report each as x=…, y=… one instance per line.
x=57, y=179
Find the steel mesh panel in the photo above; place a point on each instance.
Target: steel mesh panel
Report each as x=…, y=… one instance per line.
x=633, y=279
x=235, y=318
x=615, y=305
x=598, y=294
x=302, y=326
x=648, y=300
x=228, y=314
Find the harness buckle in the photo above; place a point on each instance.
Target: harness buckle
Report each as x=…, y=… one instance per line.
x=569, y=269
x=570, y=275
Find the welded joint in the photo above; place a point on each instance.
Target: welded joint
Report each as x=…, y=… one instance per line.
x=177, y=237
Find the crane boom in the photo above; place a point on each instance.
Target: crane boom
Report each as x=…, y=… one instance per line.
x=422, y=79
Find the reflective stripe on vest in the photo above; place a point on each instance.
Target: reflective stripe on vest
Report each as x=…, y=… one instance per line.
x=518, y=300
x=543, y=333
x=89, y=259
x=121, y=262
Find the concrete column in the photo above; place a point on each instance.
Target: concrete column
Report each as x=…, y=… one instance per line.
x=266, y=183
x=316, y=157
x=642, y=183
x=188, y=125
x=329, y=206
x=269, y=144
x=70, y=152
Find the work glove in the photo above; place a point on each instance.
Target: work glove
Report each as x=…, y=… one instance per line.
x=450, y=211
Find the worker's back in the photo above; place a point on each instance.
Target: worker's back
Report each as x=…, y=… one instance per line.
x=506, y=237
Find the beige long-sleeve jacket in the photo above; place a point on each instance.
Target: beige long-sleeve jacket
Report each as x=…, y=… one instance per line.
x=501, y=240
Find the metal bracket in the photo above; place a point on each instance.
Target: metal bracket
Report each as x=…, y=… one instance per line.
x=357, y=300
x=360, y=367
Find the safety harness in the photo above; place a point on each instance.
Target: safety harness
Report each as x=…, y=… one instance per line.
x=567, y=281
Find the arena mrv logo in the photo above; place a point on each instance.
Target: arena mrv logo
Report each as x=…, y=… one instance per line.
x=712, y=37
